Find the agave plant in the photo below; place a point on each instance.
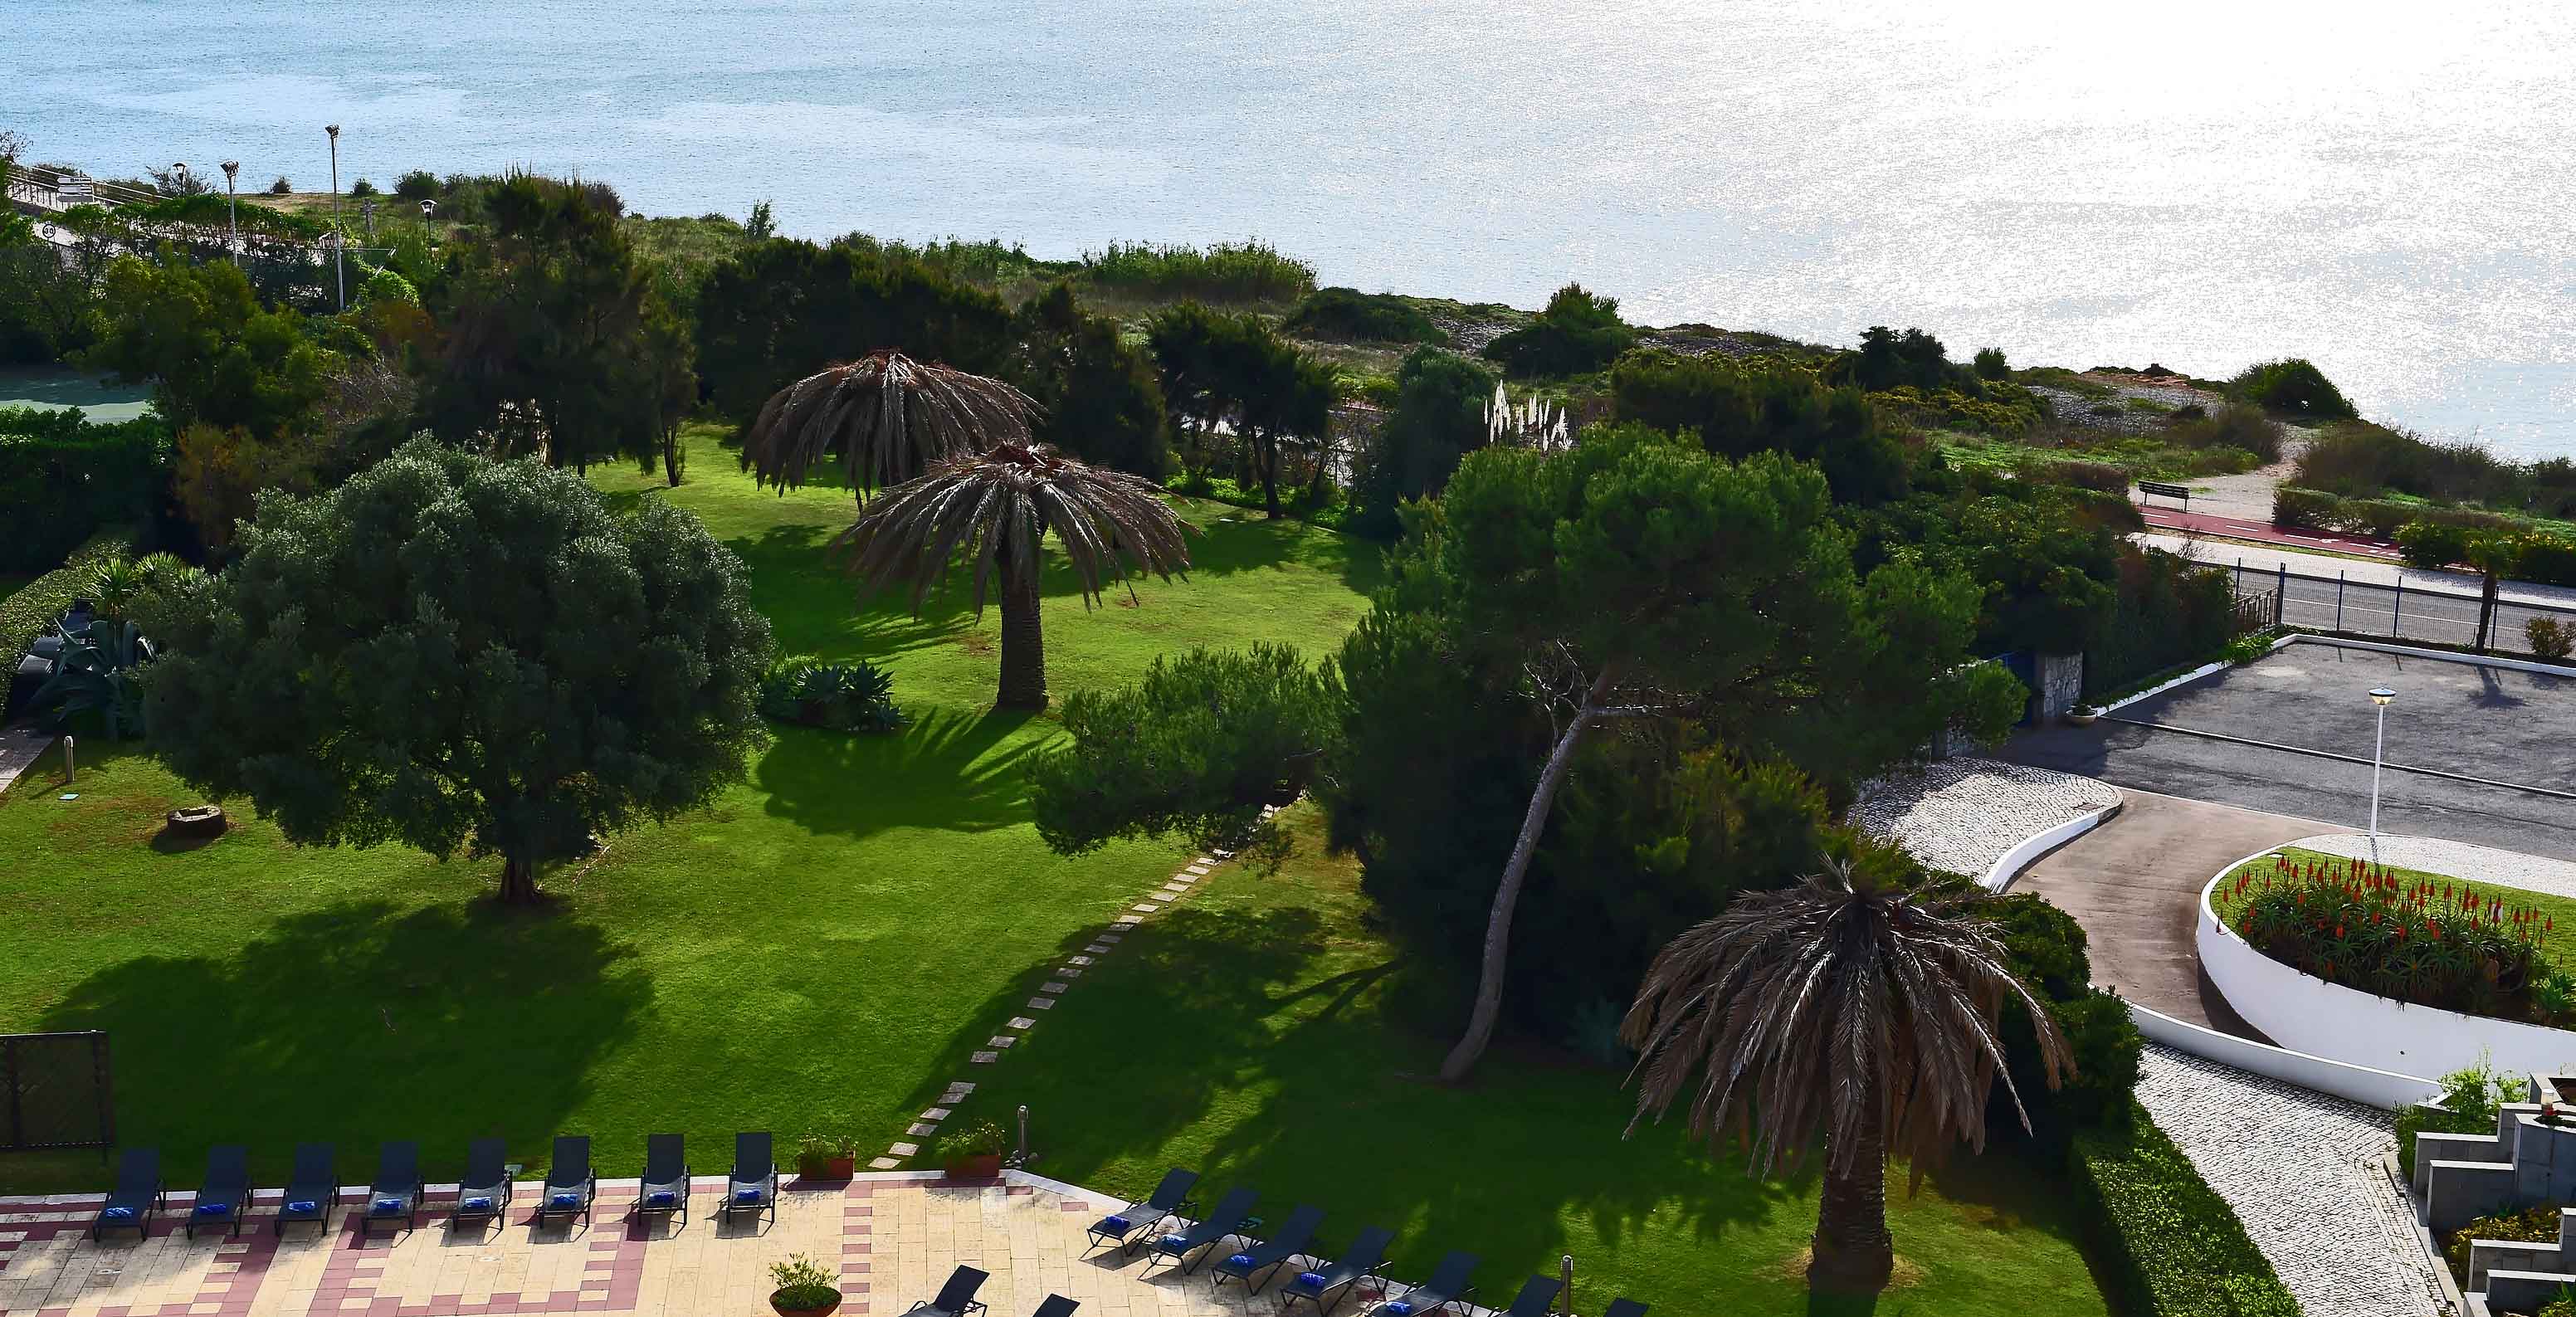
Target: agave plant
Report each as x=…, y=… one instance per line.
x=890, y=416
x=991, y=510
x=97, y=670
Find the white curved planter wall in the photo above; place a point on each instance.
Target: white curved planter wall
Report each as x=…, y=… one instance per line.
x=2000, y=874
x=2373, y=1088
x=2304, y=1013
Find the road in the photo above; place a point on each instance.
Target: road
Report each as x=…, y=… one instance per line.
x=2398, y=611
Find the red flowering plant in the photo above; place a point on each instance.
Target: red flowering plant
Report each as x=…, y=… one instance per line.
x=2397, y=933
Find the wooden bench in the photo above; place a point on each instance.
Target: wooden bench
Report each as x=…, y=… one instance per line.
x=2150, y=488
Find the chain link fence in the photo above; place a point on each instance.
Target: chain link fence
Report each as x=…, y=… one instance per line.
x=2397, y=612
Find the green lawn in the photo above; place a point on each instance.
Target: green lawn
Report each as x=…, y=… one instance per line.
x=798, y=956
x=1261, y=1033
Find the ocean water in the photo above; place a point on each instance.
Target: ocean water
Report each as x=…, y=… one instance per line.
x=2385, y=189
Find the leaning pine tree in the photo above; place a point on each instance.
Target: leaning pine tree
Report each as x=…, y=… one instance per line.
x=1849, y=1006
x=990, y=511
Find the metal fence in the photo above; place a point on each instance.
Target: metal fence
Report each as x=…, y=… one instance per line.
x=2399, y=612
x=57, y=1090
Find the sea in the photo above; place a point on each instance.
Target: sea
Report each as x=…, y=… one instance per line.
x=2388, y=190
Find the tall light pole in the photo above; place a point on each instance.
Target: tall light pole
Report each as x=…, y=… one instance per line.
x=232, y=215
x=339, y=271
x=2379, y=695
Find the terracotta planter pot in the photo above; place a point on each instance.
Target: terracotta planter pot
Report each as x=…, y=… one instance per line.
x=983, y=1167
x=842, y=1168
x=784, y=1311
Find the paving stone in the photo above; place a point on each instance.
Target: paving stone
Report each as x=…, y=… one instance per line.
x=935, y=1113
x=1079, y=960
x=960, y=1087
x=1176, y=889
x=886, y=1164
x=985, y=1058
x=1001, y=1040
x=903, y=1150
x=1144, y=907
x=1098, y=948
x=1020, y=1022
x=1115, y=937
x=1131, y=919
x=921, y=1129
x=1041, y=1003
x=1070, y=972
x=1054, y=988
x=1963, y=814
x=1196, y=871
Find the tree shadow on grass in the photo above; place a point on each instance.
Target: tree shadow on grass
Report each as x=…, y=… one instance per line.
x=1246, y=542
x=1236, y=1043
x=352, y=1024
x=945, y=771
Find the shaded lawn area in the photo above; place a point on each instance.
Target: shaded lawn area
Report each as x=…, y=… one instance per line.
x=2557, y=949
x=1258, y=1032
x=796, y=957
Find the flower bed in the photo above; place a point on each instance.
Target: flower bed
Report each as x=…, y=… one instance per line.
x=2426, y=938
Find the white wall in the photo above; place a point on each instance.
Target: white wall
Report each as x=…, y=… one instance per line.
x=2025, y=852
x=2307, y=1014
x=2377, y=1088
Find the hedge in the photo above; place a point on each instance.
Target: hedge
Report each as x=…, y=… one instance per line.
x=63, y=478
x=2315, y=509
x=40, y=603
x=2169, y=1246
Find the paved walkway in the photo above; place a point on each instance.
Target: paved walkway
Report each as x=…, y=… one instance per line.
x=2166, y=518
x=21, y=745
x=2134, y=884
x=892, y=1238
x=1962, y=814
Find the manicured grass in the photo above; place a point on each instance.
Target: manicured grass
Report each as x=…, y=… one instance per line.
x=798, y=956
x=2557, y=949
x=1261, y=1033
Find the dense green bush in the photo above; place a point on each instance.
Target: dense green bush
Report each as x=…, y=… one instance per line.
x=2469, y=1102
x=1349, y=315
x=2293, y=387
x=2169, y=1245
x=1990, y=364
x=2233, y=427
x=2304, y=509
x=2547, y=559
x=2002, y=409
x=2169, y=612
x=1438, y=418
x=416, y=185
x=2100, y=476
x=2432, y=545
x=62, y=477
x=847, y=697
x=1739, y=407
x=1226, y=272
x=2527, y=1225
x=1577, y=333
x=2046, y=949
x=2551, y=640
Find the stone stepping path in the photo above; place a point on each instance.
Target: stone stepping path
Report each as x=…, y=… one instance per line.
x=999, y=1045
x=21, y=745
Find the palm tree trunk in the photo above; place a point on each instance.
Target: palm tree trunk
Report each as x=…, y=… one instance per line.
x=1498, y=926
x=1265, y=452
x=1852, y=1250
x=518, y=880
x=1023, y=643
x=2487, y=609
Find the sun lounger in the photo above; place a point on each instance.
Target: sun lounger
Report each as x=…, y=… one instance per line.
x=665, y=1190
x=395, y=1195
x=1624, y=1308
x=957, y=1297
x=1288, y=1241
x=224, y=1198
x=1447, y=1287
x=1325, y=1287
x=1537, y=1295
x=1222, y=1223
x=310, y=1188
x=1057, y=1305
x=484, y=1194
x=139, y=1192
x=1137, y=1220
x=753, y=1186
x=571, y=1186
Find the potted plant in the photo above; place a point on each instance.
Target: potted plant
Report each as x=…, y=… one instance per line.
x=827, y=1157
x=2082, y=715
x=804, y=1288
x=973, y=1153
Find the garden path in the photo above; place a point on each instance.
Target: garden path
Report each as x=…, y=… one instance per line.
x=21, y=745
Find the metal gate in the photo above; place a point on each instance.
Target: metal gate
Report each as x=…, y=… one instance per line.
x=2025, y=668
x=57, y=1091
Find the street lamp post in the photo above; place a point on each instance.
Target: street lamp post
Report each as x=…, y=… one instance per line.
x=232, y=215
x=339, y=271
x=2379, y=695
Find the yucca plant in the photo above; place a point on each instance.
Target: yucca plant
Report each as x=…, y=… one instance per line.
x=990, y=511
x=1849, y=1006
x=890, y=417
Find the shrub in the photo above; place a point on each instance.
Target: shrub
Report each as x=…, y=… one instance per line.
x=2432, y=545
x=2468, y=1104
x=2293, y=387
x=2100, y=476
x=1226, y=272
x=1578, y=332
x=2190, y=411
x=981, y=1139
x=1990, y=364
x=1350, y=315
x=2551, y=640
x=2171, y=1247
x=63, y=476
x=281, y=187
x=2357, y=459
x=847, y=697
x=2305, y=509
x=803, y=1284
x=2004, y=409
x=2528, y=1225
x=387, y=286
x=2233, y=427
x=416, y=185
x=2046, y=950
x=362, y=188
x=2416, y=938
x=2548, y=559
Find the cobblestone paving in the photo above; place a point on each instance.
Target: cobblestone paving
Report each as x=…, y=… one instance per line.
x=2302, y=1169
x=1962, y=814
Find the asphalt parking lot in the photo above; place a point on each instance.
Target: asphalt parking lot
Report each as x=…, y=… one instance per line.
x=2497, y=724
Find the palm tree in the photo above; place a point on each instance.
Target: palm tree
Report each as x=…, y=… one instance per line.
x=992, y=509
x=890, y=416
x=1847, y=1005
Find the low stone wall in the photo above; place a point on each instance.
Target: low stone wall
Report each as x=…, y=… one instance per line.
x=2353, y=1083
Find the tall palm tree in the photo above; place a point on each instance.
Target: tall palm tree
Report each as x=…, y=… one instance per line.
x=890, y=416
x=991, y=509
x=1849, y=1006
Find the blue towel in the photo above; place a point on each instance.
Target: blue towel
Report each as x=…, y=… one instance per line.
x=1239, y=1260
x=1116, y=1225
x=303, y=1207
x=1313, y=1280
x=1174, y=1244
x=747, y=1197
x=477, y=1203
x=1400, y=1308
x=661, y=1198
x=214, y=1209
x=117, y=1214
x=565, y=1200
x=392, y=1206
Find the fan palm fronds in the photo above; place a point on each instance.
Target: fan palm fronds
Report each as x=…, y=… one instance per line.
x=1847, y=1006
x=890, y=416
x=991, y=510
